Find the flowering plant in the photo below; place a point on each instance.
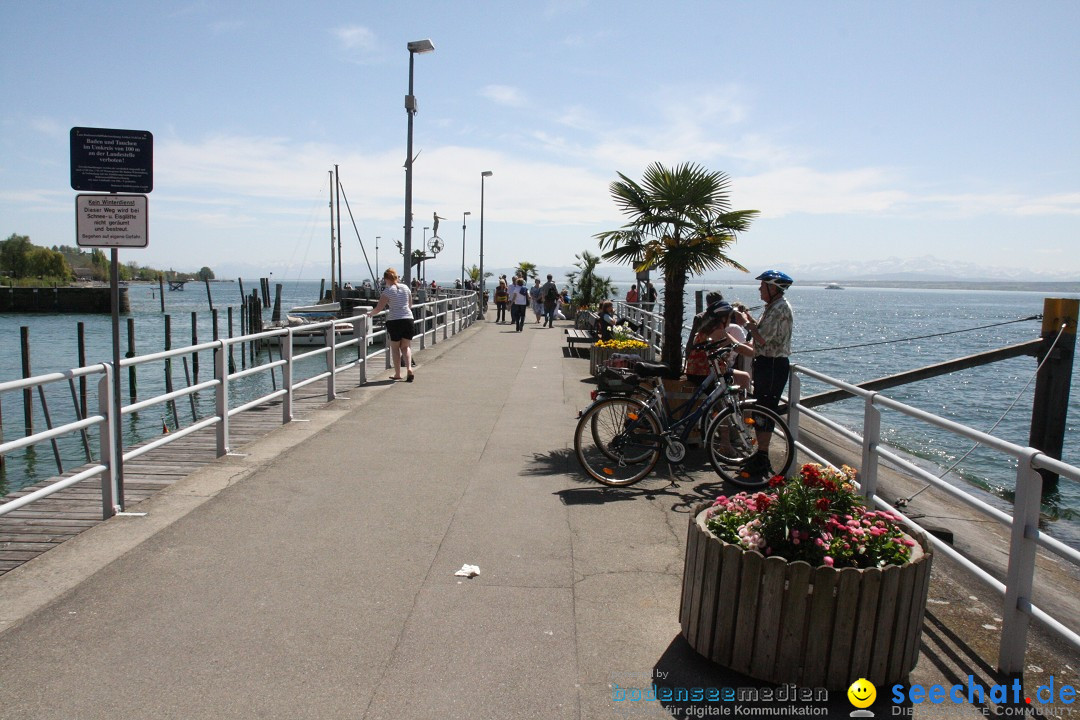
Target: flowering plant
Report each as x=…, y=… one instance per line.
x=616, y=344
x=816, y=517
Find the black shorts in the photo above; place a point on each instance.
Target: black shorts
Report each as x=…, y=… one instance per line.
x=399, y=329
x=770, y=377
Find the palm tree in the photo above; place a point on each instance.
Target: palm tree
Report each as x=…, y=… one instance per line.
x=527, y=270
x=588, y=287
x=681, y=224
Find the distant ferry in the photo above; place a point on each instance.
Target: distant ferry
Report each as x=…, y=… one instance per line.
x=833, y=286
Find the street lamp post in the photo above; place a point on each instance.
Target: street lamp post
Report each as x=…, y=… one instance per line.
x=423, y=263
x=484, y=174
x=417, y=46
x=463, y=247
x=377, y=257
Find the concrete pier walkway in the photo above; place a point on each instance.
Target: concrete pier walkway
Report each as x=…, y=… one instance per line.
x=313, y=577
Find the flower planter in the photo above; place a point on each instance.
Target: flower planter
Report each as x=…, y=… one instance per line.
x=792, y=623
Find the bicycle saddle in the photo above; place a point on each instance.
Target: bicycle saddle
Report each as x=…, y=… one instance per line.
x=648, y=369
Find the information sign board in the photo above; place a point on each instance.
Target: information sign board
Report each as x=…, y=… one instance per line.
x=104, y=160
x=111, y=221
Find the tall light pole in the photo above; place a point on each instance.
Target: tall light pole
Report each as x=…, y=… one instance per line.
x=423, y=263
x=484, y=174
x=467, y=213
x=417, y=46
x=377, y=257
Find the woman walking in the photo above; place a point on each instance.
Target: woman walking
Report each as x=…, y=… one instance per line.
x=519, y=303
x=399, y=322
x=502, y=299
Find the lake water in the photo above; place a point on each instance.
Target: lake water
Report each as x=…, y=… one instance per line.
x=825, y=320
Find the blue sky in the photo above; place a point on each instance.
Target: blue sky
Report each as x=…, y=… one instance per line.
x=860, y=130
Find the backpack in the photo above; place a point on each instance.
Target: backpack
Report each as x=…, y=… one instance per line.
x=552, y=294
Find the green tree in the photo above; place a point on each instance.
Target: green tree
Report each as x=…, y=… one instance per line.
x=205, y=273
x=473, y=273
x=46, y=263
x=680, y=223
x=527, y=270
x=14, y=255
x=588, y=288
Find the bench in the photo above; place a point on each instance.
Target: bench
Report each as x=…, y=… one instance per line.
x=579, y=337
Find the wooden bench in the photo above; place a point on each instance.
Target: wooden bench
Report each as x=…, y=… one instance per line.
x=579, y=337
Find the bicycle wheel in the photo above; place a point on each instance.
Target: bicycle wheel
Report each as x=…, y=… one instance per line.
x=732, y=444
x=617, y=441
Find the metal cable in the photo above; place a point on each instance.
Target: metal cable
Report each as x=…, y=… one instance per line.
x=921, y=337
x=905, y=501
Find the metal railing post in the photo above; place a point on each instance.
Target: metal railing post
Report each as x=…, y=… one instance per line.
x=286, y=352
x=331, y=363
x=868, y=476
x=435, y=322
x=362, y=330
x=221, y=397
x=446, y=319
x=423, y=326
x=105, y=444
x=794, y=395
x=1021, y=572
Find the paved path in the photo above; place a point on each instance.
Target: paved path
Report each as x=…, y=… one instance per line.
x=314, y=577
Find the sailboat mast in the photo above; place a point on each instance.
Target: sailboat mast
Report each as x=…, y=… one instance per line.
x=333, y=284
x=337, y=184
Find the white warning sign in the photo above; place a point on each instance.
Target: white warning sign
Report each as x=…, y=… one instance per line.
x=111, y=221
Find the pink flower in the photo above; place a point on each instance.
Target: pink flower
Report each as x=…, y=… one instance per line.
x=828, y=561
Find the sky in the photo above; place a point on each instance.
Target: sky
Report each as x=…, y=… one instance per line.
x=859, y=130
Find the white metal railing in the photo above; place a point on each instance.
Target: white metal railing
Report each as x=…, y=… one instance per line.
x=650, y=324
x=1025, y=536
x=449, y=315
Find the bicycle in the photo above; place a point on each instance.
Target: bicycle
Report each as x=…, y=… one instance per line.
x=619, y=438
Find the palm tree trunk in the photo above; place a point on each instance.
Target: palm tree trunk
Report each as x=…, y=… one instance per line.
x=674, y=288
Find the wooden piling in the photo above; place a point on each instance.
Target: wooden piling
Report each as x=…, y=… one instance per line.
x=232, y=360
x=28, y=396
x=132, y=382
x=209, y=298
x=168, y=370
x=81, y=333
x=195, y=341
x=276, y=315
x=161, y=290
x=214, y=333
x=1050, y=407
x=243, y=327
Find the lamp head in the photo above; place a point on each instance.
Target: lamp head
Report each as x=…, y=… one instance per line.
x=421, y=46
x=468, y=213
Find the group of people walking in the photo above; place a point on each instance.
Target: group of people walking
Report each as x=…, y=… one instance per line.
x=544, y=300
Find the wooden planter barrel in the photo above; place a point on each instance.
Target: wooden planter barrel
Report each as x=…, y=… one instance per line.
x=791, y=623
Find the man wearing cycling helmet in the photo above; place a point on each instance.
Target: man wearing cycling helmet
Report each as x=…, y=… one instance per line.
x=772, y=346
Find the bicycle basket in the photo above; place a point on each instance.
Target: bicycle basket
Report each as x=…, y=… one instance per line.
x=616, y=381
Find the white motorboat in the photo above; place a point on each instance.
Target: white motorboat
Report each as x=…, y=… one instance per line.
x=833, y=286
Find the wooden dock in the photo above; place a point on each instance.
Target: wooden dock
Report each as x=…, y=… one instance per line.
x=42, y=525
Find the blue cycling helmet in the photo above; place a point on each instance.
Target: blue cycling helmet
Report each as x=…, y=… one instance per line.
x=777, y=278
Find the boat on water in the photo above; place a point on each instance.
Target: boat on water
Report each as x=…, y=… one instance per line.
x=833, y=286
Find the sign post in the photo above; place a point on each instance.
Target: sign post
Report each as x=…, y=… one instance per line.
x=112, y=161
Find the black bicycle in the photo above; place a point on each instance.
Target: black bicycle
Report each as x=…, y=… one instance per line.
x=620, y=437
